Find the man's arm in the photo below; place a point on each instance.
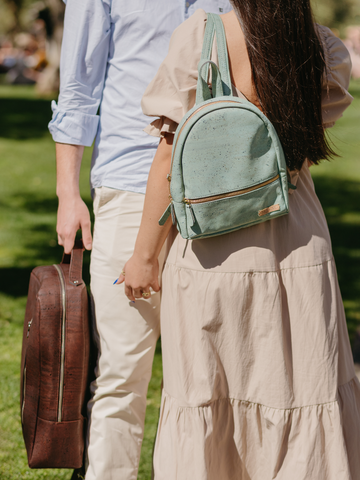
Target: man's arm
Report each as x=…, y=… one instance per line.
x=75, y=121
x=73, y=214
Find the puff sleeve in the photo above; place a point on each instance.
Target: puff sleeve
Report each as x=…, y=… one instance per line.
x=335, y=97
x=172, y=91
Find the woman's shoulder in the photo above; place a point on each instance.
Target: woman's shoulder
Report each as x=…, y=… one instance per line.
x=191, y=30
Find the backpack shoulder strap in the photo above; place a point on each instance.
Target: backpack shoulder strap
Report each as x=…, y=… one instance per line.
x=220, y=76
x=223, y=58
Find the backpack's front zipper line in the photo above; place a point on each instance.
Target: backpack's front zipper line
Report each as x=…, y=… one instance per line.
x=189, y=201
x=62, y=357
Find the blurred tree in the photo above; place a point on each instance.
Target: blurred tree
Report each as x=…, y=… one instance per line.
x=337, y=13
x=15, y=7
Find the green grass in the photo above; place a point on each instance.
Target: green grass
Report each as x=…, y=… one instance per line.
x=27, y=238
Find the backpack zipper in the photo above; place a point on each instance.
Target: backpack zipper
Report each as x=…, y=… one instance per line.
x=230, y=194
x=62, y=355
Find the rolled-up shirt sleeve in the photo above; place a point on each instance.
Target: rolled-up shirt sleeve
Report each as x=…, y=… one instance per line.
x=84, y=55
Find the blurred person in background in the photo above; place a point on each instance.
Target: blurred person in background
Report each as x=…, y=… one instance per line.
x=8, y=56
x=110, y=52
x=24, y=59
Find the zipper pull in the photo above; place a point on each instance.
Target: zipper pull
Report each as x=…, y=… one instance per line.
x=191, y=213
x=165, y=215
x=28, y=330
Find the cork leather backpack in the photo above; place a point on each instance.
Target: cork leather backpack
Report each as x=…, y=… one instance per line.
x=228, y=168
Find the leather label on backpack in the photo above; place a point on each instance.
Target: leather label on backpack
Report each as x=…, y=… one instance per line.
x=273, y=208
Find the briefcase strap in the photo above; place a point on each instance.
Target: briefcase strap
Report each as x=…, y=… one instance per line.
x=75, y=259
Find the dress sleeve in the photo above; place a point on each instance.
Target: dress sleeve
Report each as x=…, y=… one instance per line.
x=335, y=97
x=172, y=91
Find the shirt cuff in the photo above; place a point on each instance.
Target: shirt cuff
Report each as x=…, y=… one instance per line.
x=72, y=127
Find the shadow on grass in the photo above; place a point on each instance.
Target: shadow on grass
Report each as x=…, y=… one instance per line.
x=24, y=118
x=340, y=199
x=39, y=245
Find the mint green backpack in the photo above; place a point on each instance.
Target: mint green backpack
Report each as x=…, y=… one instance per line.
x=228, y=168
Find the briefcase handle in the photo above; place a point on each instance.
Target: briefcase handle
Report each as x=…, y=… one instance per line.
x=75, y=259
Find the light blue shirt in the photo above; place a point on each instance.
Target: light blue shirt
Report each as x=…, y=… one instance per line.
x=111, y=50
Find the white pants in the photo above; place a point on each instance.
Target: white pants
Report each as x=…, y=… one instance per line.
x=126, y=334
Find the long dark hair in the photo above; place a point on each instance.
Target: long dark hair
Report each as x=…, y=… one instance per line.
x=287, y=62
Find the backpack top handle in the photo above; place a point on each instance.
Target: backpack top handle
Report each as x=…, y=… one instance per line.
x=214, y=25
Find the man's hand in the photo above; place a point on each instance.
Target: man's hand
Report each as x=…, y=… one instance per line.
x=73, y=215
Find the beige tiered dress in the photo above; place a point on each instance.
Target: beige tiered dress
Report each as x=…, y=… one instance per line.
x=259, y=381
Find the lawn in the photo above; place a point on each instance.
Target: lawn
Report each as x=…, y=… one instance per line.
x=27, y=238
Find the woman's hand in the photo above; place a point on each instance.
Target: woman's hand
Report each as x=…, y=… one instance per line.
x=142, y=270
x=139, y=275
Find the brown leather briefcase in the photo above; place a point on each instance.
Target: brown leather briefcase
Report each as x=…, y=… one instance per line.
x=55, y=364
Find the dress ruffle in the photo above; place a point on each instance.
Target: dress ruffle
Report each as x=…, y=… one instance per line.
x=237, y=439
x=161, y=126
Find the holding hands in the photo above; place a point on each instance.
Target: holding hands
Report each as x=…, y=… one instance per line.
x=138, y=276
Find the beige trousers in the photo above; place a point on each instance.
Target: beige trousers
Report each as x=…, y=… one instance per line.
x=126, y=335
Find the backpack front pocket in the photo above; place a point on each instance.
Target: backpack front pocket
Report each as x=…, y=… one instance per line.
x=227, y=212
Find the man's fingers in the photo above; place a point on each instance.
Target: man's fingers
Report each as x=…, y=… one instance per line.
x=155, y=286
x=69, y=244
x=129, y=294
x=137, y=292
x=86, y=235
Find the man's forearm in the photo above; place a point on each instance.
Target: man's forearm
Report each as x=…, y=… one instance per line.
x=72, y=212
x=68, y=164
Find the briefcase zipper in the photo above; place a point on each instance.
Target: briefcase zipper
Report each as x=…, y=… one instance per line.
x=24, y=393
x=62, y=355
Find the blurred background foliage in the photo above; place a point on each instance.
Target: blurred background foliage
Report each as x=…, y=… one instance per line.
x=337, y=14
x=31, y=33
x=17, y=15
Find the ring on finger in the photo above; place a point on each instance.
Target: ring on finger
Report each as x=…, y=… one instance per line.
x=123, y=273
x=146, y=294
